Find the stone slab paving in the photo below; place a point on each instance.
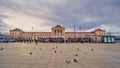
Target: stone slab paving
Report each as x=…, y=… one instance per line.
x=17, y=55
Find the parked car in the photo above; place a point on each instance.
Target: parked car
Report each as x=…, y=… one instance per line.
x=3, y=40
x=11, y=40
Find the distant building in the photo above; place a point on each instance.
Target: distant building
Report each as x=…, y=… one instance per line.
x=57, y=32
x=115, y=33
x=4, y=36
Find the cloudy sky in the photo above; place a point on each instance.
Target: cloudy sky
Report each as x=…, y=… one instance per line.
x=43, y=14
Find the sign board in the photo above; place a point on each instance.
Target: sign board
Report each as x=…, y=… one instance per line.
x=108, y=39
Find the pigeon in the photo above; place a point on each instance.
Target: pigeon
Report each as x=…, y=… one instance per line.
x=60, y=51
x=33, y=47
x=30, y=53
x=56, y=47
x=92, y=49
x=76, y=55
x=68, y=61
x=75, y=60
x=85, y=52
x=40, y=48
x=78, y=49
x=2, y=49
x=55, y=51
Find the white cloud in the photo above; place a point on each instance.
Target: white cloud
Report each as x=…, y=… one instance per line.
x=19, y=20
x=89, y=19
x=110, y=28
x=89, y=14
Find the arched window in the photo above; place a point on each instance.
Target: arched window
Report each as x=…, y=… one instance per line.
x=61, y=31
x=54, y=31
x=57, y=31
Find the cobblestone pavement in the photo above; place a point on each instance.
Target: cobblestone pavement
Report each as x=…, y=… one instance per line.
x=57, y=55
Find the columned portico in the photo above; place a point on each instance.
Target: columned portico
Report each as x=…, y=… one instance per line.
x=58, y=31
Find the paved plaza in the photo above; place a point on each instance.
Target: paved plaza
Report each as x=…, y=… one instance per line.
x=59, y=55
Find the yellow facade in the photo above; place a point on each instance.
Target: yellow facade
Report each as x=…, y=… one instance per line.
x=57, y=31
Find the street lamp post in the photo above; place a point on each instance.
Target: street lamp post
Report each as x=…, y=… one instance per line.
x=81, y=33
x=32, y=33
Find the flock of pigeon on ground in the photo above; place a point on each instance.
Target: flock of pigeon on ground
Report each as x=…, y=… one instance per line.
x=75, y=60
x=67, y=61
